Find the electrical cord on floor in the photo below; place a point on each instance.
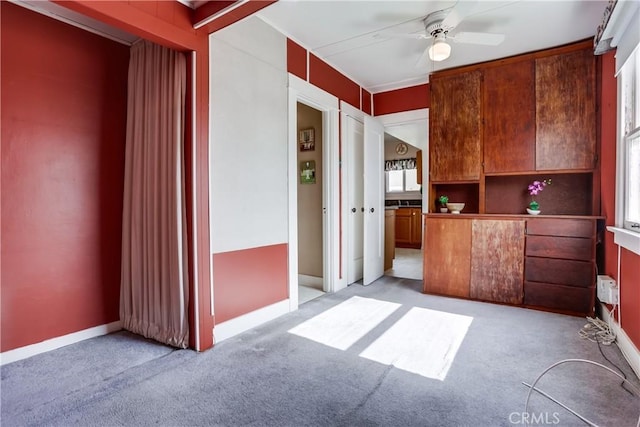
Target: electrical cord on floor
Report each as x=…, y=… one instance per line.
x=600, y=332
x=532, y=387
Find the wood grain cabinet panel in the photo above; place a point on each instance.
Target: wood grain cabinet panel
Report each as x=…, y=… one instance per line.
x=447, y=256
x=496, y=261
x=559, y=271
x=562, y=227
x=409, y=228
x=558, y=297
x=574, y=248
x=455, y=127
x=510, y=117
x=566, y=111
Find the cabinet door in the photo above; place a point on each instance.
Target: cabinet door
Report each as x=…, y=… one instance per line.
x=510, y=118
x=403, y=227
x=566, y=111
x=416, y=228
x=497, y=261
x=447, y=254
x=455, y=127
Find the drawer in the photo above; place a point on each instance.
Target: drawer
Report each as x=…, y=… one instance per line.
x=561, y=227
x=560, y=247
x=559, y=271
x=559, y=297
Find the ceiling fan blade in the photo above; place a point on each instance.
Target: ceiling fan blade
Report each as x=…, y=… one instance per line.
x=488, y=39
x=460, y=10
x=416, y=36
x=423, y=60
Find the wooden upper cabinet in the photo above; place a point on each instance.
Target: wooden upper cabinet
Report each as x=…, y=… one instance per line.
x=510, y=118
x=566, y=111
x=455, y=127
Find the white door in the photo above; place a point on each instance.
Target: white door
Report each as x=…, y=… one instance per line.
x=354, y=173
x=373, y=200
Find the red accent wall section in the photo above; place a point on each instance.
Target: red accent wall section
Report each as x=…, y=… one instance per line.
x=63, y=137
x=630, y=295
x=296, y=59
x=209, y=9
x=405, y=99
x=242, y=11
x=169, y=23
x=249, y=279
x=331, y=80
x=366, y=101
x=164, y=22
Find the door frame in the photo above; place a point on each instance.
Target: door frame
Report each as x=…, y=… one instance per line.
x=305, y=93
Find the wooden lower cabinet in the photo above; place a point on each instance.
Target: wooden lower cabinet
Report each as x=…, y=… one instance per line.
x=544, y=263
x=389, y=238
x=560, y=265
x=497, y=265
x=409, y=228
x=474, y=258
x=447, y=256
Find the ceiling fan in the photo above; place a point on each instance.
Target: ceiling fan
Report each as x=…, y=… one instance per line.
x=438, y=26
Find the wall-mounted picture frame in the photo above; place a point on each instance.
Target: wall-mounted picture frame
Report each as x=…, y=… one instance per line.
x=308, y=172
x=307, y=140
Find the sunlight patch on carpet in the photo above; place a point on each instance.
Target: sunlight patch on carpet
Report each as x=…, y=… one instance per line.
x=343, y=325
x=423, y=341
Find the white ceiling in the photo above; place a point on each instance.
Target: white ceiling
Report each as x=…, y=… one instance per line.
x=352, y=35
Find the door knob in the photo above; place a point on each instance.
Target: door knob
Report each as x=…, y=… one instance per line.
x=353, y=210
x=372, y=210
x=362, y=209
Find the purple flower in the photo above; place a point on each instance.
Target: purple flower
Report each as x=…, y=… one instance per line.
x=537, y=186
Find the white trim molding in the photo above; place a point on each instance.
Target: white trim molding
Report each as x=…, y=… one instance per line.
x=627, y=239
x=628, y=349
x=250, y=320
x=54, y=343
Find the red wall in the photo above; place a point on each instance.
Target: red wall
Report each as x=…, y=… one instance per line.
x=63, y=136
x=629, y=262
x=249, y=279
x=404, y=99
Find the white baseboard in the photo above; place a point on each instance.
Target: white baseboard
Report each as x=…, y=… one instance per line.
x=54, y=343
x=313, y=281
x=625, y=344
x=247, y=321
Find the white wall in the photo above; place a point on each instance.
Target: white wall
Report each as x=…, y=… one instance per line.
x=248, y=136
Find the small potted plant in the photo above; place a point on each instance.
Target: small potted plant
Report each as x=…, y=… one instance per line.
x=443, y=203
x=534, y=189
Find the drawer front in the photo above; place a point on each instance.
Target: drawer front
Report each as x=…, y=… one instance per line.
x=559, y=297
x=559, y=271
x=560, y=247
x=561, y=227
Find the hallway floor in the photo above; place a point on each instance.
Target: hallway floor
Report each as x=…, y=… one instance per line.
x=407, y=264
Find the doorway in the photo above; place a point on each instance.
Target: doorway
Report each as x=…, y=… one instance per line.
x=310, y=190
x=301, y=176
x=406, y=139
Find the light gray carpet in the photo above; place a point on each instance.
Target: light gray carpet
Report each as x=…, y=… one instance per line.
x=270, y=377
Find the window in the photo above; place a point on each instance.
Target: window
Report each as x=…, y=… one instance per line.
x=629, y=144
x=399, y=181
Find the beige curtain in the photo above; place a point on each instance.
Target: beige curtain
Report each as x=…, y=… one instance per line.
x=154, y=289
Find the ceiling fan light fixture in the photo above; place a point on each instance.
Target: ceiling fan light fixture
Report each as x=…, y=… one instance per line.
x=439, y=50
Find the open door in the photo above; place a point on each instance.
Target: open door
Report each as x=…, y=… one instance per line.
x=373, y=200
